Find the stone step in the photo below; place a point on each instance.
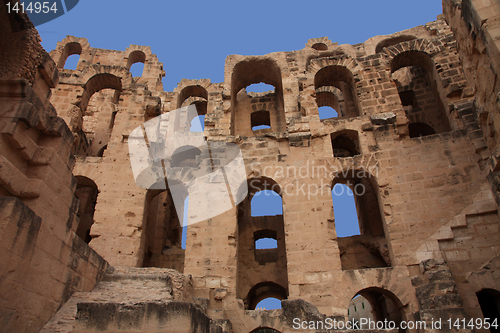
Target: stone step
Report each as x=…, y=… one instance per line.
x=125, y=286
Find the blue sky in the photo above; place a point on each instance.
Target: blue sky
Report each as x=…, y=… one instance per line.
x=192, y=38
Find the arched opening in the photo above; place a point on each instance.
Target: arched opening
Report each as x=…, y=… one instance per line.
x=327, y=112
x=185, y=156
x=489, y=301
x=344, y=209
x=196, y=96
x=320, y=46
x=392, y=41
x=270, y=303
x=72, y=62
x=266, y=203
x=265, y=330
x=99, y=106
x=420, y=129
x=334, y=86
x=135, y=63
x=192, y=91
x=345, y=143
x=359, y=308
x=137, y=69
x=266, y=243
x=329, y=100
x=264, y=77
x=259, y=88
x=261, y=241
x=368, y=249
x=265, y=290
x=197, y=124
x=415, y=76
x=86, y=192
x=376, y=304
x=266, y=246
x=163, y=235
x=71, y=50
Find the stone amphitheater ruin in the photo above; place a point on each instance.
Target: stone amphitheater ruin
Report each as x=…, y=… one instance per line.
x=83, y=248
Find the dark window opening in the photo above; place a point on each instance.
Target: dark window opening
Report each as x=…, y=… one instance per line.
x=260, y=120
x=489, y=301
x=408, y=98
x=345, y=143
x=320, y=46
x=420, y=129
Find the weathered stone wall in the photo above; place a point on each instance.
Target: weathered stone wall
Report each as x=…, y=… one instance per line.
x=419, y=186
x=428, y=214
x=42, y=260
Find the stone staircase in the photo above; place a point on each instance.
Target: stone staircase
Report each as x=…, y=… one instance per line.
x=141, y=299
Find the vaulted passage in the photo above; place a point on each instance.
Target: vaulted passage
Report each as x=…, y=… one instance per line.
x=86, y=192
x=255, y=113
x=163, y=232
x=99, y=107
x=376, y=304
x=414, y=75
x=72, y=49
x=335, y=88
x=262, y=267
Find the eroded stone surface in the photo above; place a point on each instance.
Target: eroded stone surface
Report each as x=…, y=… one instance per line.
x=416, y=129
